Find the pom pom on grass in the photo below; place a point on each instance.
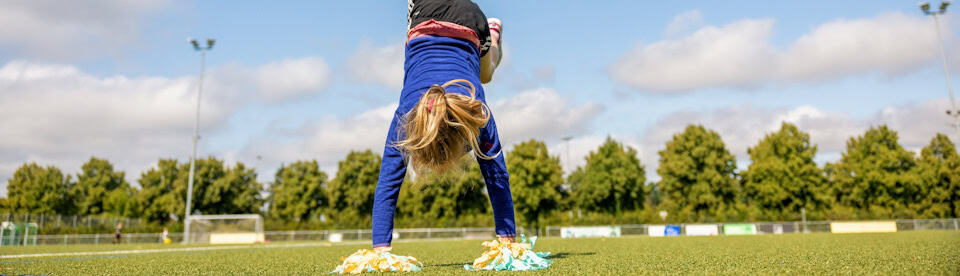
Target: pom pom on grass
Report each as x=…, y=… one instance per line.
x=366, y=260
x=512, y=256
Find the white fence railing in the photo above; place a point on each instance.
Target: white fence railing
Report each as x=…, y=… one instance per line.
x=56, y=221
x=105, y=238
x=472, y=233
x=783, y=227
x=275, y=236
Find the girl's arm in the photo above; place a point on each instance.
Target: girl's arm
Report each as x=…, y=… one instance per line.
x=392, y=170
x=497, y=180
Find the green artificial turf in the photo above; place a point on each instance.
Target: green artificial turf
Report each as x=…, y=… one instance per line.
x=916, y=252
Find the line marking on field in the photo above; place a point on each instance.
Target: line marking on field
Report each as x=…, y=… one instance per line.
x=208, y=248
x=164, y=250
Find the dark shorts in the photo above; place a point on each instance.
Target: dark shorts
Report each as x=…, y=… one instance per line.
x=461, y=12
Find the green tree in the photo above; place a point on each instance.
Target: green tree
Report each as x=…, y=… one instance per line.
x=782, y=177
x=224, y=190
x=121, y=202
x=216, y=189
x=939, y=170
x=156, y=199
x=536, y=180
x=612, y=180
x=444, y=199
x=96, y=179
x=298, y=191
x=698, y=176
x=875, y=177
x=38, y=190
x=351, y=190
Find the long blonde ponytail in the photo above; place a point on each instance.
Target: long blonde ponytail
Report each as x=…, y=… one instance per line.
x=442, y=127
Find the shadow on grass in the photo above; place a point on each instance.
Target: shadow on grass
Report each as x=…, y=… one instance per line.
x=564, y=255
x=452, y=264
x=561, y=255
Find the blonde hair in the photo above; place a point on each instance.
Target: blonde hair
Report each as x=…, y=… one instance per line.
x=442, y=127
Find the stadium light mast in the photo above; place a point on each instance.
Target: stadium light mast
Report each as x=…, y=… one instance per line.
x=953, y=112
x=196, y=134
x=566, y=164
x=567, y=140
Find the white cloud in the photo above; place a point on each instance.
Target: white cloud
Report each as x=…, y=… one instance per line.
x=684, y=22
x=292, y=77
x=581, y=146
x=741, y=54
x=59, y=115
x=68, y=29
x=378, y=65
x=367, y=130
x=732, y=55
x=743, y=126
x=542, y=114
x=539, y=113
x=918, y=123
x=544, y=74
x=888, y=43
x=955, y=56
x=328, y=140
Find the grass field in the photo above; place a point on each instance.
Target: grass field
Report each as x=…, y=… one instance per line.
x=916, y=252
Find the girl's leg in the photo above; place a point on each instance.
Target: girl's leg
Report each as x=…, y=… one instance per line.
x=490, y=61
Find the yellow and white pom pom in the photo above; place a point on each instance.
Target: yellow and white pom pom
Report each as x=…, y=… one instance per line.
x=366, y=260
x=512, y=256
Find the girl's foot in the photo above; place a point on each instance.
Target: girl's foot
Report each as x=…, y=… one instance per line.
x=496, y=26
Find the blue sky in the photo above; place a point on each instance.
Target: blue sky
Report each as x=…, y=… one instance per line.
x=315, y=79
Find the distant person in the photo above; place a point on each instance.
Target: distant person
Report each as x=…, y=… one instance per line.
x=116, y=234
x=452, y=47
x=163, y=237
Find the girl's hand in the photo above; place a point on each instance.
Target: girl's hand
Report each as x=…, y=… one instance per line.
x=382, y=249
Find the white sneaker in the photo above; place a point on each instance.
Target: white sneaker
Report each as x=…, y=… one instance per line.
x=496, y=27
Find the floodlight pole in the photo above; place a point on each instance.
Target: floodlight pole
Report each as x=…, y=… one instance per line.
x=567, y=163
x=196, y=136
x=954, y=112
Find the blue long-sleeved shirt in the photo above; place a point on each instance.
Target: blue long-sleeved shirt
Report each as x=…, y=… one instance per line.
x=436, y=60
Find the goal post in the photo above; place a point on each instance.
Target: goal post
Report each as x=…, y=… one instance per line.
x=225, y=229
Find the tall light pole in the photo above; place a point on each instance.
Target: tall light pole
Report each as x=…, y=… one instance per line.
x=567, y=163
x=196, y=135
x=954, y=112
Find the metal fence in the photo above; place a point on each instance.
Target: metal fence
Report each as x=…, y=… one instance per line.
x=784, y=227
x=105, y=238
x=281, y=236
x=366, y=234
x=45, y=220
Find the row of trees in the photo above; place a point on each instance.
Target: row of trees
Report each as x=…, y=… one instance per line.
x=99, y=190
x=875, y=178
